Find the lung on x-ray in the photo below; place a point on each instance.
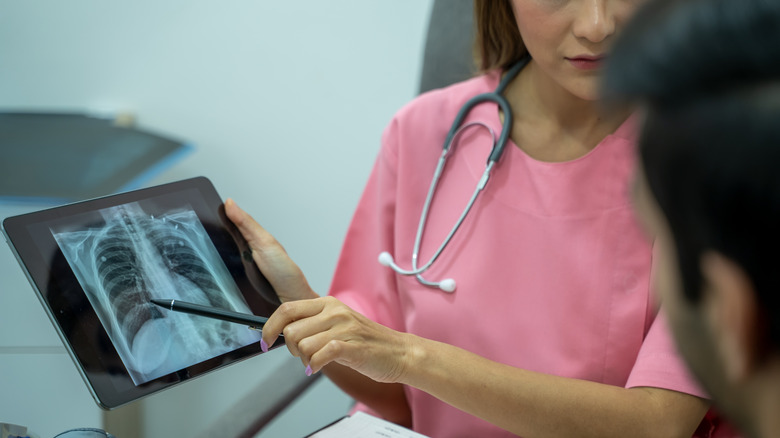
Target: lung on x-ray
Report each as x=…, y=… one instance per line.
x=123, y=256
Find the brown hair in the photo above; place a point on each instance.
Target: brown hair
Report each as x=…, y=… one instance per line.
x=497, y=42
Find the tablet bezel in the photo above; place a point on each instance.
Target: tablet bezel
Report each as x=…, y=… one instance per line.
x=77, y=322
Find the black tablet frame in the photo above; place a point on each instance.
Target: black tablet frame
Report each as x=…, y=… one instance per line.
x=76, y=321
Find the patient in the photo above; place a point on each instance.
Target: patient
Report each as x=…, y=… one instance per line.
x=708, y=74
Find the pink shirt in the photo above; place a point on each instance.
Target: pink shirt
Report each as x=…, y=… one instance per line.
x=552, y=270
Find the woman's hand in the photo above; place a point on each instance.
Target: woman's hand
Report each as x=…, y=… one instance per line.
x=284, y=275
x=325, y=330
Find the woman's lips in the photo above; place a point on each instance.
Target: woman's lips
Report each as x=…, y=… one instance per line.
x=587, y=62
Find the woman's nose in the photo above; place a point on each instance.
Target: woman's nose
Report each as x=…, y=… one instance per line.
x=595, y=20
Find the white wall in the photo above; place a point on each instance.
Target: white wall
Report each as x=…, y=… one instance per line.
x=285, y=102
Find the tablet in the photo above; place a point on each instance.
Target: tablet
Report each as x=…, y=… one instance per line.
x=96, y=264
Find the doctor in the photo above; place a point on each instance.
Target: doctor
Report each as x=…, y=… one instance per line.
x=532, y=312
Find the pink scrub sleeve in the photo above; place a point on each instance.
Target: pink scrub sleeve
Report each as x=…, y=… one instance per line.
x=658, y=364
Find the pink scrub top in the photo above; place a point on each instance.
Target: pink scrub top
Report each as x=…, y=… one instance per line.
x=552, y=270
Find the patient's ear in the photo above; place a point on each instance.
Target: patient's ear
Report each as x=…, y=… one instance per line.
x=733, y=316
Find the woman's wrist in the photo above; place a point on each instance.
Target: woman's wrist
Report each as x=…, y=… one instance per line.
x=414, y=360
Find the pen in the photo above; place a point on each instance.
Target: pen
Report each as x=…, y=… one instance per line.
x=253, y=321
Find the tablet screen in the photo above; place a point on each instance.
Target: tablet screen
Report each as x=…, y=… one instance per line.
x=96, y=264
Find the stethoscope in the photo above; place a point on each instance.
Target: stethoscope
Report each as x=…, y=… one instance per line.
x=448, y=284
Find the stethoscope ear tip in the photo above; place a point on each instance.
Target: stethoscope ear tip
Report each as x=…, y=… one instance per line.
x=447, y=285
x=385, y=259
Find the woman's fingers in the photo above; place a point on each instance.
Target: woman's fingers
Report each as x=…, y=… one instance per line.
x=255, y=235
x=319, y=330
x=325, y=330
x=294, y=319
x=316, y=345
x=270, y=257
x=307, y=325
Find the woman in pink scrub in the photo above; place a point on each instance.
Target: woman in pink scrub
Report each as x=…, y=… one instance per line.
x=551, y=329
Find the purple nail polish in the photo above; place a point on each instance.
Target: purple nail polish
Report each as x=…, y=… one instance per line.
x=263, y=345
x=308, y=370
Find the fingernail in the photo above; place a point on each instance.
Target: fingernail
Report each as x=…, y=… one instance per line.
x=263, y=345
x=308, y=370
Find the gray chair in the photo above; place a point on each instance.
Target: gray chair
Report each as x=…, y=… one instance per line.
x=448, y=56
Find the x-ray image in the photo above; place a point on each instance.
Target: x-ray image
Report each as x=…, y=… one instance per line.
x=124, y=256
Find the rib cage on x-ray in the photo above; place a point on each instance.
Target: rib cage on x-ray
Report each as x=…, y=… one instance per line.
x=120, y=272
x=135, y=257
x=117, y=268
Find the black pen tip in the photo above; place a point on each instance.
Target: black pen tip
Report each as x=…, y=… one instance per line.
x=161, y=303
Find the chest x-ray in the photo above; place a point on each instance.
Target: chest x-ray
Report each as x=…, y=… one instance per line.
x=127, y=257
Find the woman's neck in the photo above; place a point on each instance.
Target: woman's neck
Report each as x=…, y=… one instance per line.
x=552, y=124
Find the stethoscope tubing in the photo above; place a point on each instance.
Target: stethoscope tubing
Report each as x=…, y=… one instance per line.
x=448, y=285
x=480, y=186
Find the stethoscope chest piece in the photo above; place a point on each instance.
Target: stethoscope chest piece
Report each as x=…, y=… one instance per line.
x=447, y=285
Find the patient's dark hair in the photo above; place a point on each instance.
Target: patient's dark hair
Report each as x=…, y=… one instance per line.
x=708, y=75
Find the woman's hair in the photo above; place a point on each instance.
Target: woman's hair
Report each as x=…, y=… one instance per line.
x=497, y=43
x=708, y=75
